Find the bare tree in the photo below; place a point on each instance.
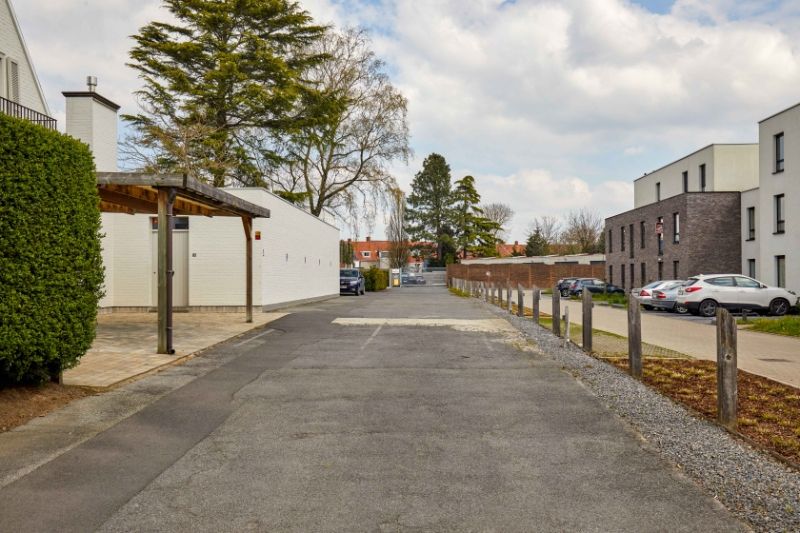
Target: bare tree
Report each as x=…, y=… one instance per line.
x=499, y=213
x=548, y=227
x=399, y=247
x=342, y=163
x=583, y=230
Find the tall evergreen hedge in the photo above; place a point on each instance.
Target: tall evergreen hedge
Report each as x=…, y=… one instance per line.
x=51, y=270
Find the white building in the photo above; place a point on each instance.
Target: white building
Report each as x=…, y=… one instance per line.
x=770, y=222
x=21, y=93
x=296, y=255
x=714, y=168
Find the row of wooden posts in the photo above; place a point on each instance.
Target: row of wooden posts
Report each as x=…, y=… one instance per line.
x=727, y=394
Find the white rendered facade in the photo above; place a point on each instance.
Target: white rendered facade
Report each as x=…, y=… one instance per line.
x=18, y=80
x=776, y=201
x=715, y=168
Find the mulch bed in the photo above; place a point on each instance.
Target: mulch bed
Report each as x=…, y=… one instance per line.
x=768, y=411
x=18, y=405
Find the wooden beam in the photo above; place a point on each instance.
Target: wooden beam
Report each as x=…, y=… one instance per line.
x=247, y=222
x=138, y=205
x=110, y=207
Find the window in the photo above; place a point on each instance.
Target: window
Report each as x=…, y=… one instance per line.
x=178, y=223
x=632, y=278
x=610, y=241
x=723, y=281
x=384, y=254
x=780, y=270
x=611, y=274
x=658, y=191
x=622, y=239
x=660, y=236
x=13, y=81
x=622, y=270
x=366, y=254
x=751, y=268
x=630, y=228
x=643, y=272
x=641, y=234
x=780, y=222
x=779, y=152
x=676, y=228
x=660, y=270
x=747, y=283
x=751, y=223
x=685, y=181
x=2, y=75
x=703, y=177
x=675, y=268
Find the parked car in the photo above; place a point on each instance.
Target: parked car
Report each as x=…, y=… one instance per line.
x=352, y=280
x=703, y=294
x=665, y=298
x=593, y=285
x=564, y=285
x=405, y=278
x=645, y=294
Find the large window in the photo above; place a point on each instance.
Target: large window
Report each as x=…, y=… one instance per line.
x=751, y=268
x=622, y=239
x=780, y=270
x=633, y=282
x=779, y=152
x=622, y=273
x=676, y=228
x=780, y=221
x=751, y=223
x=660, y=236
x=685, y=181
x=611, y=274
x=630, y=228
x=643, y=268
x=703, y=177
x=660, y=270
x=675, y=269
x=610, y=241
x=642, y=233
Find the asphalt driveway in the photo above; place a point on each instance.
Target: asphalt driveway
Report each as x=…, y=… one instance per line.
x=415, y=410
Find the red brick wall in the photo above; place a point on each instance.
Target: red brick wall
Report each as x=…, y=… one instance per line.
x=527, y=274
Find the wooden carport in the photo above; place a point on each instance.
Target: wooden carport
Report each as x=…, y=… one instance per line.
x=168, y=195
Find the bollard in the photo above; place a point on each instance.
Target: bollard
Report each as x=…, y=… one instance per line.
x=634, y=337
x=587, y=321
x=536, y=297
x=727, y=391
x=520, y=301
x=556, y=312
x=566, y=326
x=508, y=299
x=494, y=293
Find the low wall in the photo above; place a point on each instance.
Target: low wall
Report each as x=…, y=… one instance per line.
x=528, y=274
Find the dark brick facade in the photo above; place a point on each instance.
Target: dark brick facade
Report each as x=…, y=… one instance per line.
x=526, y=274
x=709, y=239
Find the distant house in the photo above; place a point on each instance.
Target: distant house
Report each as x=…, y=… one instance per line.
x=370, y=252
x=510, y=250
x=21, y=93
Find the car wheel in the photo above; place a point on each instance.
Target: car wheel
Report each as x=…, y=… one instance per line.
x=647, y=307
x=565, y=293
x=778, y=307
x=681, y=310
x=708, y=308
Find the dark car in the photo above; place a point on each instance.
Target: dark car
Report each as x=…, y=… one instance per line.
x=351, y=280
x=564, y=285
x=593, y=285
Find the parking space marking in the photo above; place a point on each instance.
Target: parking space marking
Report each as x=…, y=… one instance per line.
x=251, y=339
x=369, y=339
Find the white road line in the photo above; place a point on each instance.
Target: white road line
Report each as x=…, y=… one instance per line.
x=374, y=334
x=254, y=338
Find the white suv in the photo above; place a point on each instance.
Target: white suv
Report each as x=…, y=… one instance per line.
x=701, y=295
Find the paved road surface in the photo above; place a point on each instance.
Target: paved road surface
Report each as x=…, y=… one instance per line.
x=437, y=423
x=768, y=355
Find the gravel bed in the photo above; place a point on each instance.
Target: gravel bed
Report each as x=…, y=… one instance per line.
x=755, y=487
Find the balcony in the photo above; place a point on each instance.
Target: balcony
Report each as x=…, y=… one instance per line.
x=16, y=110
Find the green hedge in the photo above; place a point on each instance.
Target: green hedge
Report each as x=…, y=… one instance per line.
x=376, y=279
x=51, y=270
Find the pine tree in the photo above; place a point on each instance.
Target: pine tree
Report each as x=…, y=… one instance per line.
x=473, y=231
x=537, y=244
x=429, y=212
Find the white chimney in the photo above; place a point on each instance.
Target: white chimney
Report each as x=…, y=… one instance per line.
x=92, y=118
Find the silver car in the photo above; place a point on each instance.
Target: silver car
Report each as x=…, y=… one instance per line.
x=666, y=298
x=645, y=294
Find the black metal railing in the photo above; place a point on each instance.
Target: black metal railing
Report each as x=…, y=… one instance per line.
x=14, y=109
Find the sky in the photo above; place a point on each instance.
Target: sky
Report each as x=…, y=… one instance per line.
x=550, y=105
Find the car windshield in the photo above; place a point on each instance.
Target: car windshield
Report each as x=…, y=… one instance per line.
x=672, y=285
x=348, y=273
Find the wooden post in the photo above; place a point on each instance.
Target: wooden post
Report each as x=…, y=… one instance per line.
x=536, y=298
x=587, y=321
x=494, y=293
x=727, y=391
x=166, y=197
x=247, y=222
x=556, y=312
x=566, y=325
x=520, y=301
x=508, y=299
x=634, y=337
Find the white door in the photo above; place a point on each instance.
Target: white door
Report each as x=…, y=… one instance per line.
x=180, y=264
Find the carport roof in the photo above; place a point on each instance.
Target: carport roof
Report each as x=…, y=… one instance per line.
x=134, y=192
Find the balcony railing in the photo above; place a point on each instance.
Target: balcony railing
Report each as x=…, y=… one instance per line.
x=14, y=109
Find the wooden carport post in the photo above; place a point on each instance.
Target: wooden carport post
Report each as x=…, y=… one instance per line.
x=247, y=222
x=166, y=197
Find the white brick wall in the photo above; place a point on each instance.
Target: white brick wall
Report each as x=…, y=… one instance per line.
x=95, y=124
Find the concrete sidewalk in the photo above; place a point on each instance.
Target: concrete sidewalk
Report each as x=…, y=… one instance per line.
x=772, y=356
x=125, y=345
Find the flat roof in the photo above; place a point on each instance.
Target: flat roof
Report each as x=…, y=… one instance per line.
x=693, y=153
x=135, y=192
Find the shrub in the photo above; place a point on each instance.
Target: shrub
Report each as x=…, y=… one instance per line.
x=376, y=279
x=51, y=270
